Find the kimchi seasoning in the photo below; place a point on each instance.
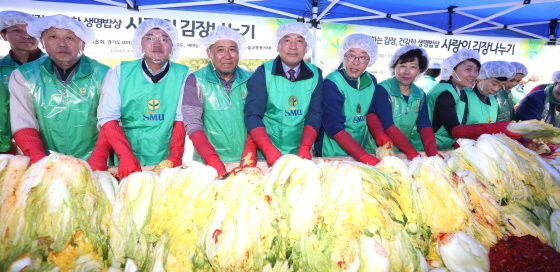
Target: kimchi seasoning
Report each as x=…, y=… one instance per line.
x=526, y=253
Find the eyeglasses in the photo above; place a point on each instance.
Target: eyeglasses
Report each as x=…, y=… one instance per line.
x=152, y=38
x=361, y=59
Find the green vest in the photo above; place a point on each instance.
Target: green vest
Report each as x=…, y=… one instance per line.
x=7, y=66
x=67, y=114
x=405, y=114
x=548, y=101
x=223, y=114
x=287, y=106
x=443, y=139
x=148, y=109
x=426, y=83
x=518, y=93
x=505, y=106
x=478, y=111
x=355, y=108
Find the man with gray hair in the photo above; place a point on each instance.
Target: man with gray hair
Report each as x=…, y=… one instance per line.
x=213, y=102
x=284, y=101
x=54, y=99
x=140, y=110
x=542, y=104
x=23, y=49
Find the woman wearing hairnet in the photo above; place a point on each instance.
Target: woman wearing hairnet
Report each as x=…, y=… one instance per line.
x=454, y=107
x=542, y=104
x=144, y=96
x=347, y=92
x=405, y=120
x=511, y=93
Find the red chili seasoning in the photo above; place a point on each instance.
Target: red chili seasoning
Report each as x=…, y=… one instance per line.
x=523, y=254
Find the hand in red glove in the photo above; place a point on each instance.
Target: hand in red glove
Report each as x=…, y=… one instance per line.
x=261, y=138
x=98, y=159
x=475, y=130
x=376, y=129
x=177, y=144
x=400, y=141
x=350, y=145
x=308, y=137
x=429, y=139
x=207, y=151
x=29, y=141
x=249, y=155
x=128, y=163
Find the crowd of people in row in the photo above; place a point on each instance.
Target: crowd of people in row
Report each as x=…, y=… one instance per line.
x=140, y=112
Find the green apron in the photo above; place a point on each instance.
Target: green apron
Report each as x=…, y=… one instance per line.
x=505, y=106
x=286, y=108
x=518, y=93
x=148, y=109
x=426, y=83
x=223, y=114
x=7, y=66
x=355, y=108
x=478, y=111
x=67, y=114
x=443, y=139
x=405, y=114
x=548, y=101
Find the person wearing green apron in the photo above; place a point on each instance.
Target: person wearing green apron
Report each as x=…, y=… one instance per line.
x=54, y=99
x=144, y=96
x=284, y=99
x=213, y=101
x=449, y=107
x=347, y=93
x=405, y=120
x=542, y=104
x=23, y=49
x=428, y=80
x=506, y=96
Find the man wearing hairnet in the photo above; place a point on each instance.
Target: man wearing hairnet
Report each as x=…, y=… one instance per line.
x=23, y=49
x=543, y=104
x=213, y=102
x=53, y=101
x=145, y=96
x=448, y=100
x=347, y=94
x=428, y=80
x=511, y=92
x=405, y=119
x=283, y=108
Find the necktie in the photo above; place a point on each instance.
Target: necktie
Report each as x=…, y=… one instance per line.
x=292, y=73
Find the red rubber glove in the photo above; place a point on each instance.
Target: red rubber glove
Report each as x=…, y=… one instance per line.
x=475, y=130
x=400, y=141
x=307, y=139
x=249, y=155
x=429, y=139
x=29, y=141
x=376, y=129
x=177, y=144
x=98, y=159
x=261, y=138
x=350, y=145
x=207, y=151
x=128, y=163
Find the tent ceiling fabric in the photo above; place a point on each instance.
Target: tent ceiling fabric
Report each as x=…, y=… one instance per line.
x=503, y=18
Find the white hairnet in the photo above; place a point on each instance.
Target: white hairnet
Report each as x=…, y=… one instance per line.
x=434, y=65
x=225, y=33
x=361, y=41
x=11, y=17
x=36, y=28
x=519, y=68
x=448, y=64
x=493, y=69
x=294, y=27
x=556, y=76
x=146, y=26
x=401, y=51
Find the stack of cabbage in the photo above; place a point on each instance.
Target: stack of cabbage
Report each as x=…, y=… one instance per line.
x=301, y=216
